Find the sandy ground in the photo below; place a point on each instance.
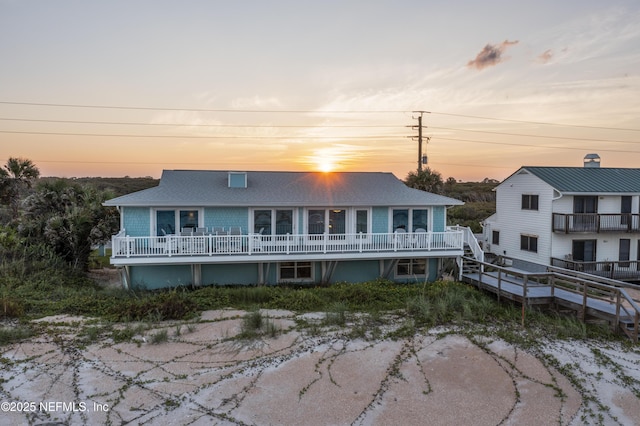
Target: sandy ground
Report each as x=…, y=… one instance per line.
x=201, y=374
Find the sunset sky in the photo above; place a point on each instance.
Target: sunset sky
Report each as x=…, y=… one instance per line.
x=115, y=88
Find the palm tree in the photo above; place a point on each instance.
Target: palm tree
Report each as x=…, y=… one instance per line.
x=16, y=177
x=69, y=218
x=425, y=180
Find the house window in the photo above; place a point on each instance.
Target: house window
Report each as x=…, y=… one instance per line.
x=330, y=221
x=583, y=250
x=410, y=219
x=495, y=237
x=529, y=202
x=624, y=252
x=337, y=221
x=585, y=204
x=188, y=219
x=295, y=271
x=362, y=221
x=268, y=220
x=173, y=221
x=316, y=221
x=625, y=210
x=529, y=243
x=411, y=268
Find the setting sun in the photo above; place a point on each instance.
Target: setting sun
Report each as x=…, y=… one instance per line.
x=326, y=165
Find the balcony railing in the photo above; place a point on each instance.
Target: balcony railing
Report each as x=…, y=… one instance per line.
x=226, y=245
x=596, y=222
x=628, y=270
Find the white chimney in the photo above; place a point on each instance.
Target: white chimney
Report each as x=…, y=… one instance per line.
x=592, y=160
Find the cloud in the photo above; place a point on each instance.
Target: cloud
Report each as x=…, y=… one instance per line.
x=545, y=56
x=491, y=55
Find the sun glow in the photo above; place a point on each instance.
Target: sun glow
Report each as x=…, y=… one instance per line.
x=329, y=159
x=326, y=165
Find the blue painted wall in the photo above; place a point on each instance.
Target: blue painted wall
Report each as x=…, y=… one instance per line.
x=356, y=271
x=380, y=220
x=160, y=276
x=439, y=218
x=167, y=276
x=243, y=273
x=136, y=221
x=227, y=217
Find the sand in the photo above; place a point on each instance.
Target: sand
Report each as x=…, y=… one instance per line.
x=200, y=374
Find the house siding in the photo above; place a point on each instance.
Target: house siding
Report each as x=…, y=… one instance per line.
x=356, y=271
x=230, y=274
x=160, y=276
x=439, y=214
x=166, y=276
x=136, y=221
x=380, y=220
x=519, y=221
x=227, y=217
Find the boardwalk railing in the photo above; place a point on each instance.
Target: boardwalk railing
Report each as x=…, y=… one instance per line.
x=589, y=295
x=614, y=269
x=213, y=245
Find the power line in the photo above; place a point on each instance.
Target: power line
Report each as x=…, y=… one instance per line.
x=536, y=146
x=535, y=122
x=204, y=137
x=131, y=123
x=533, y=136
x=306, y=111
x=259, y=126
x=270, y=111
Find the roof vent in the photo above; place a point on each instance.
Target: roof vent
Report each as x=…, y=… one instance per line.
x=592, y=160
x=237, y=179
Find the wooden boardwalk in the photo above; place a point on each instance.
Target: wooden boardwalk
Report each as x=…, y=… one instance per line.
x=589, y=296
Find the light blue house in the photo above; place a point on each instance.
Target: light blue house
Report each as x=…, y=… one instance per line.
x=219, y=227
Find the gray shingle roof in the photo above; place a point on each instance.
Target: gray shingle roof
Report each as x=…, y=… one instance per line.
x=210, y=188
x=589, y=179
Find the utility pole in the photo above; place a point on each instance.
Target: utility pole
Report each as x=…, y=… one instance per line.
x=422, y=159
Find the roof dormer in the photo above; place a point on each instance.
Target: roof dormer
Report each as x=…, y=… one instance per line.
x=237, y=180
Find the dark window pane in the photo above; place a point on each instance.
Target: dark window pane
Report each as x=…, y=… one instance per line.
x=361, y=221
x=284, y=222
x=400, y=219
x=337, y=221
x=188, y=219
x=316, y=221
x=262, y=221
x=165, y=222
x=419, y=219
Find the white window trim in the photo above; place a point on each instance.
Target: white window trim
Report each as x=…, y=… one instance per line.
x=410, y=216
x=154, y=210
x=349, y=217
x=298, y=280
x=426, y=269
x=294, y=217
x=352, y=222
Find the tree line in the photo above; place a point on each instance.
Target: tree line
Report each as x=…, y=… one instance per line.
x=479, y=197
x=51, y=217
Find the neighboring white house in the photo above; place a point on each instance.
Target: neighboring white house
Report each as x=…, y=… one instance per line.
x=202, y=227
x=583, y=218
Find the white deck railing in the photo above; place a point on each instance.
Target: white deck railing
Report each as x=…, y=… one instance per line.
x=215, y=245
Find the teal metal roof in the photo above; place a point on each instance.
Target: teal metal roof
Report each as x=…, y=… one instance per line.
x=589, y=179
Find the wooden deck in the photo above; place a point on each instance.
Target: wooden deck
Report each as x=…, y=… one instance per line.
x=589, y=296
